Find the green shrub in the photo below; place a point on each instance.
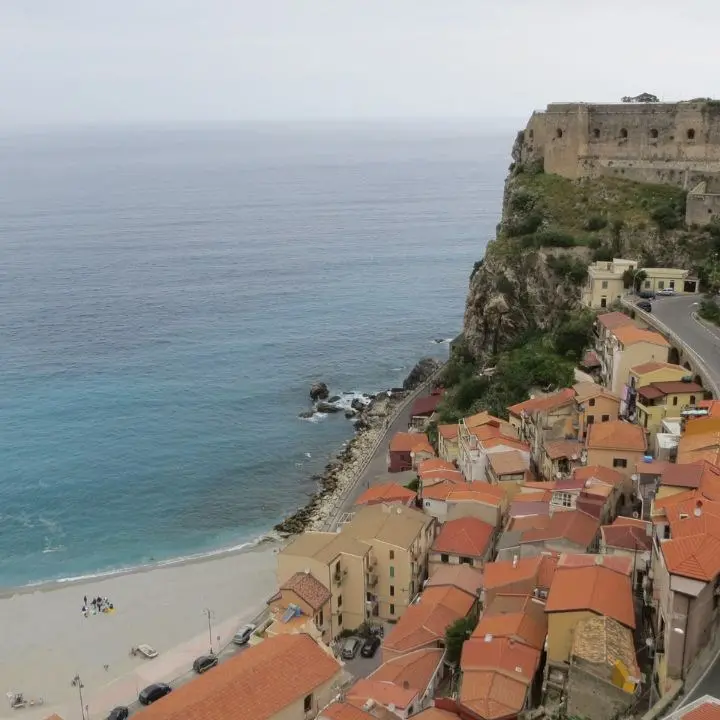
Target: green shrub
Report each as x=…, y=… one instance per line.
x=504, y=285
x=595, y=242
x=524, y=225
x=710, y=311
x=595, y=222
x=573, y=334
x=522, y=201
x=554, y=238
x=569, y=268
x=602, y=254
x=478, y=264
x=669, y=214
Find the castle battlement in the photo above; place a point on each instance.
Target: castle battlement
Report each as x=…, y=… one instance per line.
x=664, y=143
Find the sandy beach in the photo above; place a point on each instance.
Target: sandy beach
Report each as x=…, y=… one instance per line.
x=46, y=640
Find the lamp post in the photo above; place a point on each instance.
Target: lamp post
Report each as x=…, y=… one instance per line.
x=77, y=682
x=210, y=614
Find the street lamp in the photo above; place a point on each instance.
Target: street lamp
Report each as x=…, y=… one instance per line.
x=77, y=682
x=210, y=614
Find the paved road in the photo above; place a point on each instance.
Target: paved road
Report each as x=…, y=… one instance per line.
x=709, y=685
x=676, y=313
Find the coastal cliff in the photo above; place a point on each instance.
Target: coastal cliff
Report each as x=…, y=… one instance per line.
x=552, y=228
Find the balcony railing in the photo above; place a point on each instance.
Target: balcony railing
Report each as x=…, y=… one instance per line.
x=338, y=576
x=372, y=579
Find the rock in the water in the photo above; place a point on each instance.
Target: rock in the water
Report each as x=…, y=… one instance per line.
x=357, y=404
x=306, y=414
x=420, y=373
x=326, y=407
x=334, y=398
x=349, y=414
x=319, y=391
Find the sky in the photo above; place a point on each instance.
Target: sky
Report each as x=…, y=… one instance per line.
x=68, y=62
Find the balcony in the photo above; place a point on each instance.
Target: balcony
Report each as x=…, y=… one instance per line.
x=372, y=579
x=338, y=576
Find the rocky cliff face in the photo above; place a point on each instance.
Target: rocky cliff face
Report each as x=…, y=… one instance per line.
x=551, y=230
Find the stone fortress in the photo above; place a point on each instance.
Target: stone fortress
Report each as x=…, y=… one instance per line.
x=667, y=143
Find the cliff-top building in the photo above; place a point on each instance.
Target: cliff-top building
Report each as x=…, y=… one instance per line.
x=665, y=143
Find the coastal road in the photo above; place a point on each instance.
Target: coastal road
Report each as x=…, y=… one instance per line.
x=677, y=314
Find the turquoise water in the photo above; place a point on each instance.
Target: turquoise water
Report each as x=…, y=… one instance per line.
x=166, y=298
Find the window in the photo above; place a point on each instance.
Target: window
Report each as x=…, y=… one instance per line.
x=392, y=609
x=591, y=402
x=392, y=571
x=623, y=133
x=671, y=284
x=604, y=284
x=368, y=596
x=339, y=618
x=691, y=134
x=337, y=568
x=661, y=284
x=653, y=133
x=674, y=400
x=590, y=419
x=603, y=302
x=596, y=133
x=465, y=561
x=392, y=554
x=339, y=604
x=531, y=134
x=444, y=558
x=692, y=399
x=619, y=463
x=319, y=619
x=605, y=418
x=558, y=133
x=392, y=591
x=307, y=704
x=564, y=499
x=647, y=285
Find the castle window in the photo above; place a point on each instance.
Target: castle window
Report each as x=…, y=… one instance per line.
x=691, y=134
x=596, y=133
x=653, y=133
x=531, y=133
x=623, y=133
x=558, y=133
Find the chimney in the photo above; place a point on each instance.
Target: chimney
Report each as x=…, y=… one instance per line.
x=488, y=638
x=698, y=508
x=598, y=559
x=406, y=685
x=515, y=561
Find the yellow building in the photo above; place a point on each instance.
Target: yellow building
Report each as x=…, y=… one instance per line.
x=675, y=279
x=448, y=442
x=595, y=404
x=604, y=283
x=400, y=540
x=618, y=445
x=660, y=400
x=652, y=372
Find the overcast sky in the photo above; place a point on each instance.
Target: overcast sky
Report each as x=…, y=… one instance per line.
x=96, y=61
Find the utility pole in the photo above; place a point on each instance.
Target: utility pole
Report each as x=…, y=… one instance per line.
x=77, y=682
x=210, y=614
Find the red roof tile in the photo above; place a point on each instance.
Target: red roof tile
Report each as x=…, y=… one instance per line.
x=599, y=472
x=573, y=525
x=385, y=693
x=448, y=432
x=544, y=402
x=410, y=442
x=463, y=577
x=614, y=320
x=425, y=405
x=527, y=625
x=626, y=537
x=709, y=710
x=492, y=695
x=466, y=536
x=563, y=449
x=307, y=588
x=386, y=493
x=628, y=335
x=616, y=435
x=617, y=563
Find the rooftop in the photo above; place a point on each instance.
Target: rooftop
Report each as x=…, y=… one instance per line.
x=425, y=405
x=595, y=588
x=448, y=432
x=662, y=389
x=466, y=536
x=573, y=525
x=412, y=670
x=631, y=335
x=600, y=473
x=388, y=493
x=705, y=708
x=325, y=546
x=626, y=536
x=654, y=365
x=527, y=624
x=604, y=641
x=461, y=576
x=307, y=588
x=385, y=693
x=617, y=563
x=254, y=685
x=544, y=402
x=538, y=570
x=434, y=464
x=558, y=449
x=410, y=442
x=614, y=320
x=346, y=711
x=616, y=435
x=391, y=524
x=587, y=390
x=508, y=463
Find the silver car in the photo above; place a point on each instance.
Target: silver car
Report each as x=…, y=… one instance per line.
x=242, y=636
x=350, y=648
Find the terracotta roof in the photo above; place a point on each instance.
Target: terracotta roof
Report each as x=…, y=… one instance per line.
x=385, y=693
x=587, y=390
x=695, y=556
x=708, y=710
x=492, y=695
x=462, y=577
x=614, y=320
x=625, y=537
x=713, y=407
x=410, y=442
x=533, y=496
x=536, y=504
x=597, y=588
x=254, y=685
x=616, y=435
x=661, y=389
x=425, y=622
x=466, y=536
x=628, y=335
x=648, y=392
x=388, y=493
x=433, y=477
x=617, y=563
x=654, y=365
x=527, y=625
x=483, y=418
x=590, y=360
x=392, y=524
x=425, y=405
x=539, y=485
x=345, y=711
x=308, y=588
x=501, y=573
x=434, y=713
x=505, y=441
x=448, y=432
x=544, y=402
x=520, y=519
x=508, y=463
x=435, y=464
x=563, y=449
x=480, y=495
x=573, y=525
x=603, y=641
x=412, y=670
x=590, y=505
x=503, y=654
x=686, y=475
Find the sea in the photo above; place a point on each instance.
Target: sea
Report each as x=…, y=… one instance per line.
x=169, y=294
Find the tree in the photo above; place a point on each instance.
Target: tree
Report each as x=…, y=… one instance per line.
x=573, y=335
x=455, y=636
x=633, y=276
x=641, y=98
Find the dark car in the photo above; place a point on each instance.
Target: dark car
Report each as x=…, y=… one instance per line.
x=370, y=646
x=204, y=662
x=118, y=713
x=350, y=648
x=647, y=295
x=644, y=305
x=153, y=693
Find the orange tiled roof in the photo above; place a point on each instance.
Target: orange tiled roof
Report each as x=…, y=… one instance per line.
x=477, y=495
x=586, y=390
x=434, y=713
x=616, y=435
x=307, y=588
x=654, y=365
x=709, y=710
x=573, y=525
x=425, y=622
x=597, y=588
x=432, y=477
x=386, y=493
x=502, y=654
x=631, y=335
x=492, y=695
x=508, y=463
x=483, y=418
x=505, y=441
x=563, y=449
x=465, y=536
x=617, y=563
x=345, y=711
x=501, y=573
x=412, y=670
x=410, y=442
x=614, y=320
x=435, y=464
x=527, y=625
x=461, y=576
x=254, y=685
x=627, y=537
x=696, y=557
x=448, y=432
x=385, y=693
x=545, y=402
x=599, y=472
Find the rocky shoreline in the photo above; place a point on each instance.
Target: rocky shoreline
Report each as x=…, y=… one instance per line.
x=339, y=475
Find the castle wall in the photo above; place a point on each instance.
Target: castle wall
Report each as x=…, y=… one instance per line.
x=702, y=208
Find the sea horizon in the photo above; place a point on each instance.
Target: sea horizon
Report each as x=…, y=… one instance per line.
x=169, y=296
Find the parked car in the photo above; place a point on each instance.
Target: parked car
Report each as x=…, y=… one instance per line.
x=667, y=291
x=118, y=713
x=644, y=305
x=204, y=663
x=153, y=693
x=647, y=294
x=370, y=646
x=242, y=636
x=350, y=648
